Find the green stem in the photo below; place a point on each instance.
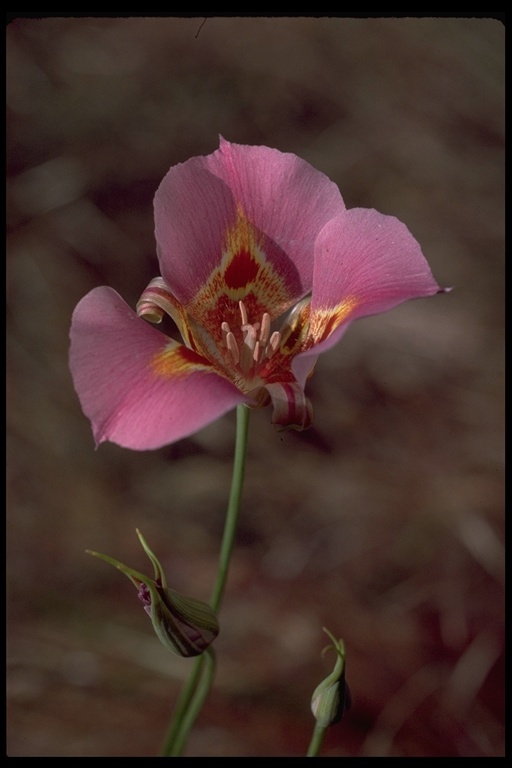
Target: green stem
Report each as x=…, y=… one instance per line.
x=182, y=706
x=237, y=481
x=200, y=681
x=316, y=740
x=195, y=704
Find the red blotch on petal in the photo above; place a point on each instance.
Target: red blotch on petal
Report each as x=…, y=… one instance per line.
x=241, y=270
x=330, y=326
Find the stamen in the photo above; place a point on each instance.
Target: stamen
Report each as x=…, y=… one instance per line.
x=257, y=342
x=246, y=360
x=265, y=329
x=243, y=313
x=232, y=346
x=225, y=330
x=273, y=344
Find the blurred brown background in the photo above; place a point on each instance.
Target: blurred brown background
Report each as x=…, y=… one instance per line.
x=385, y=521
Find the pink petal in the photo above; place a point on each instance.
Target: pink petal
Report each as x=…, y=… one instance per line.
x=365, y=263
x=370, y=262
x=133, y=388
x=285, y=198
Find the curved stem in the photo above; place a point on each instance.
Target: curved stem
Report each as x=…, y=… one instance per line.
x=199, y=683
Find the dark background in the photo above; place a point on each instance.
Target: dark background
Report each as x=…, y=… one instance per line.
x=385, y=521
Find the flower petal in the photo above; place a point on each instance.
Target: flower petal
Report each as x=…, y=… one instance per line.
x=139, y=388
x=371, y=259
x=250, y=196
x=365, y=263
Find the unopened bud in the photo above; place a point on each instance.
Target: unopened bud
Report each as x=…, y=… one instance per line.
x=332, y=697
x=184, y=625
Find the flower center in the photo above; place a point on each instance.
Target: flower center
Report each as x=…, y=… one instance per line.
x=257, y=345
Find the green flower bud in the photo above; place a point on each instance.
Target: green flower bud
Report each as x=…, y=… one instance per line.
x=332, y=697
x=183, y=625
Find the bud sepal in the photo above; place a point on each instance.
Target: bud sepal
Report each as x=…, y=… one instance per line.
x=184, y=625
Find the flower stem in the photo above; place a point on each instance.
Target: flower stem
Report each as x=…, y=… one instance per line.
x=316, y=740
x=195, y=702
x=200, y=681
x=237, y=481
x=175, y=734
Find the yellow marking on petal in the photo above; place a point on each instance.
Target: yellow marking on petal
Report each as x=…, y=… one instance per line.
x=175, y=360
x=244, y=274
x=323, y=322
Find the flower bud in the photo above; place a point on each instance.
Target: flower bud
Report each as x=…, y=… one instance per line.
x=332, y=697
x=184, y=625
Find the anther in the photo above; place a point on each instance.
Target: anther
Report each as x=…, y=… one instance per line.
x=257, y=342
x=243, y=313
x=225, y=330
x=232, y=347
x=265, y=329
x=273, y=343
x=246, y=360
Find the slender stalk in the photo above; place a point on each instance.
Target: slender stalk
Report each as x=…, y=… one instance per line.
x=195, y=704
x=316, y=740
x=237, y=481
x=201, y=678
x=173, y=733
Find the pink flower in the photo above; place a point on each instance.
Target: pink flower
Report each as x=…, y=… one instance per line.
x=262, y=269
